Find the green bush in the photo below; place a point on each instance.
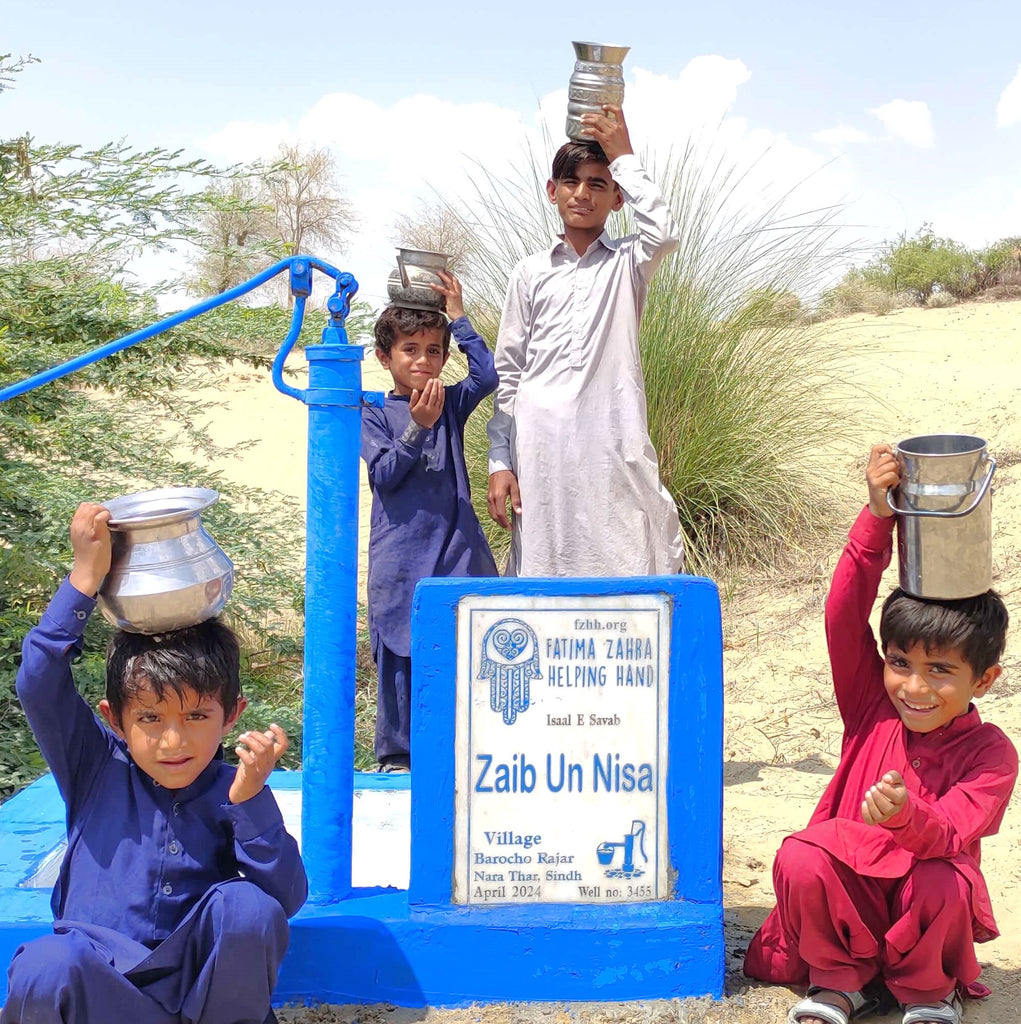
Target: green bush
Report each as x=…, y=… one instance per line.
x=70, y=220
x=1000, y=263
x=923, y=264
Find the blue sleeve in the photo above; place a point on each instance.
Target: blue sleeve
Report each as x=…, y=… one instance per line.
x=71, y=738
x=388, y=459
x=482, y=378
x=266, y=852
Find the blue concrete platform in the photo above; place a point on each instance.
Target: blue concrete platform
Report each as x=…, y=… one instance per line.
x=374, y=946
x=32, y=841
x=401, y=933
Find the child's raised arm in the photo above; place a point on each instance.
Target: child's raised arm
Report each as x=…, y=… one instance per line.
x=854, y=655
x=481, y=379
x=90, y=542
x=450, y=289
x=609, y=129
x=882, y=473
x=69, y=735
x=658, y=233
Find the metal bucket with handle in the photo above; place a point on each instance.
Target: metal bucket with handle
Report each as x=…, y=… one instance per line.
x=944, y=516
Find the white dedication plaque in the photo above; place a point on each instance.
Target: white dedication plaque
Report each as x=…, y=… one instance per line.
x=561, y=749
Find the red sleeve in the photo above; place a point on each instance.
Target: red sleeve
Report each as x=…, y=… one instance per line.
x=854, y=657
x=970, y=809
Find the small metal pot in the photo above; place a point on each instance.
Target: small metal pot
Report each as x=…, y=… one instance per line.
x=408, y=285
x=167, y=572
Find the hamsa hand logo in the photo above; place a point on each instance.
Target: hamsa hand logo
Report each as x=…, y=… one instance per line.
x=510, y=661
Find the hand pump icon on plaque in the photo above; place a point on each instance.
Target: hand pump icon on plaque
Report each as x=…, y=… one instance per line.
x=606, y=852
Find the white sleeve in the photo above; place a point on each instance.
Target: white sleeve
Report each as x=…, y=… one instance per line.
x=658, y=234
x=511, y=356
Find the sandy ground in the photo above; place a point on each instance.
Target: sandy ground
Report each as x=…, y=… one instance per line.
x=930, y=371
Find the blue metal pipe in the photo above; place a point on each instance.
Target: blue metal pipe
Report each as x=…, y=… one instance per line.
x=334, y=398
x=285, y=350
x=331, y=579
x=88, y=358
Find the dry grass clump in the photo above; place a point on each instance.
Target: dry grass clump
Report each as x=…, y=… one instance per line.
x=940, y=300
x=1007, y=287
x=854, y=294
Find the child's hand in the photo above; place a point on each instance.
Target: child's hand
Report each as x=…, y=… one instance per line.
x=451, y=289
x=260, y=753
x=503, y=485
x=90, y=541
x=609, y=130
x=882, y=472
x=427, y=404
x=886, y=799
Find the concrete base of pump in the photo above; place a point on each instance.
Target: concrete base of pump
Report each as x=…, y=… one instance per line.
x=376, y=947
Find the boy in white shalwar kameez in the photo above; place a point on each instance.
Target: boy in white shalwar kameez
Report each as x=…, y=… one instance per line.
x=569, y=439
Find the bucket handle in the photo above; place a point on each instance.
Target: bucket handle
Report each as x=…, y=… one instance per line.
x=932, y=513
x=402, y=271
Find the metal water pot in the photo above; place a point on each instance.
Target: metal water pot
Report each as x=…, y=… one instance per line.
x=944, y=516
x=408, y=285
x=167, y=572
x=598, y=78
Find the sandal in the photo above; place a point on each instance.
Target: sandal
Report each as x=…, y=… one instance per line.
x=945, y=1011
x=810, y=1007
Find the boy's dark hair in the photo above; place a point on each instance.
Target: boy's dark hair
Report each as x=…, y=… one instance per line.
x=571, y=155
x=396, y=320
x=976, y=626
x=204, y=658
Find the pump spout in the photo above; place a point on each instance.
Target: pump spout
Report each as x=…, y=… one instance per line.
x=638, y=832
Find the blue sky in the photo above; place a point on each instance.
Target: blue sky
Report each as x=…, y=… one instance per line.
x=908, y=112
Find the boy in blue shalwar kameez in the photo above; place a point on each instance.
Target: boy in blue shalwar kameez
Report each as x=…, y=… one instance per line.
x=173, y=897
x=422, y=520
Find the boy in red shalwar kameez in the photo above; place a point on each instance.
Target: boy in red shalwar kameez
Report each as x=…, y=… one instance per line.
x=885, y=884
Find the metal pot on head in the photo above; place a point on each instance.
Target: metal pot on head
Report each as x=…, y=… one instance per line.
x=408, y=285
x=944, y=516
x=598, y=78
x=167, y=572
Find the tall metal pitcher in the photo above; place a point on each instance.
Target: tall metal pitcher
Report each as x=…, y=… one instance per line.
x=598, y=78
x=944, y=516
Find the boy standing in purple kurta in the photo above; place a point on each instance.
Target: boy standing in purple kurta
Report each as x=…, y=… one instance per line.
x=423, y=523
x=173, y=896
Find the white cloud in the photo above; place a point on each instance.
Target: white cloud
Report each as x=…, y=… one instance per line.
x=908, y=120
x=392, y=157
x=1008, y=110
x=842, y=135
